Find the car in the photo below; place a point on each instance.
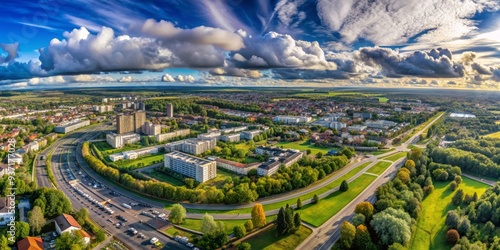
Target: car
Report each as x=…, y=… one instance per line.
x=153, y=240
x=195, y=248
x=189, y=244
x=110, y=220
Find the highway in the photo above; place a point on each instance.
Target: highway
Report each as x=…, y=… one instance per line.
x=325, y=236
x=64, y=166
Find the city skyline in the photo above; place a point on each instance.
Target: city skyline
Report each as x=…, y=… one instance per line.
x=250, y=43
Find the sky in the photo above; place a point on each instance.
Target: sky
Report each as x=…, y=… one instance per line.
x=383, y=43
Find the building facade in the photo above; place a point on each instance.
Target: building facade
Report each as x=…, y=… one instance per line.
x=119, y=140
x=197, y=168
x=231, y=138
x=171, y=135
x=130, y=123
x=249, y=135
x=170, y=110
x=70, y=126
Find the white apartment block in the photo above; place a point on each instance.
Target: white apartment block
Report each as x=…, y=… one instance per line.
x=192, y=146
x=70, y=126
x=118, y=141
x=213, y=134
x=133, y=154
x=103, y=108
x=292, y=119
x=171, y=135
x=151, y=129
x=249, y=135
x=231, y=138
x=337, y=125
x=197, y=168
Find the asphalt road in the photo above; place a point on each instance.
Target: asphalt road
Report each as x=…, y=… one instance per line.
x=325, y=236
x=64, y=164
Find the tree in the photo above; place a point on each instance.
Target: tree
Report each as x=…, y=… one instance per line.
x=81, y=216
x=177, y=214
x=452, y=219
x=452, y=237
x=22, y=230
x=69, y=241
x=36, y=220
x=464, y=226
x=404, y=175
x=365, y=208
x=308, y=151
x=258, y=215
x=299, y=203
x=362, y=240
x=358, y=219
x=344, y=186
x=239, y=231
x=319, y=155
x=244, y=246
x=281, y=226
x=458, y=179
x=4, y=242
x=207, y=224
x=458, y=197
x=347, y=234
x=392, y=226
x=249, y=225
x=297, y=220
x=453, y=185
x=315, y=199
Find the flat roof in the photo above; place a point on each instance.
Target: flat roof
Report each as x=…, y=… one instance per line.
x=188, y=158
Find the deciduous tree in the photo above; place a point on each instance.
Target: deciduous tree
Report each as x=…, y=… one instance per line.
x=177, y=214
x=347, y=234
x=36, y=219
x=258, y=215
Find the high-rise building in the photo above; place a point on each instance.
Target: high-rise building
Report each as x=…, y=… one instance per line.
x=141, y=106
x=130, y=123
x=197, y=168
x=151, y=129
x=170, y=110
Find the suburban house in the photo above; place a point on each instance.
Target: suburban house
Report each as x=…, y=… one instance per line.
x=65, y=223
x=30, y=243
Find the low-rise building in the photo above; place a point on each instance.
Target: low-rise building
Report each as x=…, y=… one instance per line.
x=192, y=146
x=66, y=223
x=236, y=167
x=230, y=138
x=173, y=134
x=249, y=135
x=30, y=243
x=71, y=126
x=119, y=140
x=197, y=168
x=6, y=211
x=16, y=159
x=268, y=168
x=134, y=154
x=292, y=119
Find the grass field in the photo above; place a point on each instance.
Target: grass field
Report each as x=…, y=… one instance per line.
x=383, y=99
x=382, y=151
x=497, y=122
x=267, y=240
x=379, y=168
x=304, y=145
x=228, y=224
x=106, y=149
x=277, y=205
x=395, y=157
x=165, y=178
x=317, y=214
x=431, y=231
x=146, y=160
x=493, y=135
x=219, y=178
x=173, y=231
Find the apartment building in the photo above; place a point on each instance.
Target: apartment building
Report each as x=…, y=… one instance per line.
x=231, y=138
x=119, y=140
x=71, y=126
x=151, y=129
x=249, y=135
x=130, y=123
x=197, y=168
x=171, y=135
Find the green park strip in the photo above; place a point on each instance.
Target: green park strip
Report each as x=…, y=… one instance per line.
x=431, y=229
x=317, y=214
x=267, y=240
x=379, y=168
x=383, y=151
x=229, y=225
x=175, y=231
x=50, y=174
x=421, y=127
x=277, y=205
x=165, y=178
x=304, y=145
x=395, y=157
x=143, y=161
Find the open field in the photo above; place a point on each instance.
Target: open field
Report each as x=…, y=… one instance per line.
x=165, y=178
x=431, y=231
x=395, y=157
x=317, y=214
x=106, y=149
x=146, y=160
x=382, y=151
x=219, y=178
x=383, y=99
x=304, y=145
x=228, y=224
x=277, y=205
x=493, y=135
x=267, y=240
x=173, y=231
x=379, y=168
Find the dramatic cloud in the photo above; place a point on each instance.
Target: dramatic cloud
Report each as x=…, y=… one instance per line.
x=390, y=22
x=187, y=78
x=167, y=78
x=11, y=50
x=496, y=75
x=275, y=50
x=126, y=79
x=433, y=63
x=291, y=74
x=227, y=71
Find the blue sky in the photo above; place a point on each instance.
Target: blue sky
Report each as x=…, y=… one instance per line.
x=254, y=42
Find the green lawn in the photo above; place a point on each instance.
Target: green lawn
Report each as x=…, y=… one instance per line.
x=267, y=240
x=304, y=145
x=173, y=231
x=493, y=135
x=431, y=231
x=165, y=178
x=195, y=224
x=146, y=160
x=317, y=214
x=383, y=99
x=107, y=150
x=219, y=178
x=379, y=168
x=395, y=157
x=277, y=205
x=382, y=151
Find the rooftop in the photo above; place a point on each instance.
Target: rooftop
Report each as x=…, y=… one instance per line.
x=188, y=158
